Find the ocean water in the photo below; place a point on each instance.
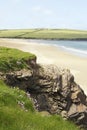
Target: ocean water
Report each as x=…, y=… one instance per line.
x=75, y=47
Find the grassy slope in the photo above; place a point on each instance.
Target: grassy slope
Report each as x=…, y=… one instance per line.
x=13, y=59
x=12, y=116
x=45, y=34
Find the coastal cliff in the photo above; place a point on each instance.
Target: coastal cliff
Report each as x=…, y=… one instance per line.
x=52, y=89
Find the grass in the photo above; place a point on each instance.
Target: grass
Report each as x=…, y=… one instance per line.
x=13, y=117
x=13, y=59
x=60, y=34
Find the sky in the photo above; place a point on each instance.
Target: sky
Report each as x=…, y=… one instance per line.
x=61, y=14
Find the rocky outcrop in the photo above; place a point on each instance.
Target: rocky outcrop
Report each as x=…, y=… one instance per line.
x=54, y=90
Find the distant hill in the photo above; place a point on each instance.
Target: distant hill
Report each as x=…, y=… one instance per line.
x=54, y=34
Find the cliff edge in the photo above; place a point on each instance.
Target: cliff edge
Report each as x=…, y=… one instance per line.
x=53, y=90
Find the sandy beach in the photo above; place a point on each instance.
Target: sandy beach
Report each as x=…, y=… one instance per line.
x=47, y=54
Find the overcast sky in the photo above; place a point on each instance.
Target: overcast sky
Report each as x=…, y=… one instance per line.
x=43, y=14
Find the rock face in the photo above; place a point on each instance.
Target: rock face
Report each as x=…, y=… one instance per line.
x=54, y=91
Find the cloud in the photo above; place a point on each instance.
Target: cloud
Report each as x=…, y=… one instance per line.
x=39, y=9
x=36, y=9
x=15, y=1
x=48, y=12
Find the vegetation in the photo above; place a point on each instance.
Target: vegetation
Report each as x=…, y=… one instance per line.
x=60, y=34
x=13, y=59
x=13, y=116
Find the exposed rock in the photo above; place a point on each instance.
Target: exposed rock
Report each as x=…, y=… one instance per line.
x=54, y=90
x=64, y=115
x=19, y=79
x=44, y=113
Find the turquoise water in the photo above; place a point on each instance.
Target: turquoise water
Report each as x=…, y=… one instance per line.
x=76, y=47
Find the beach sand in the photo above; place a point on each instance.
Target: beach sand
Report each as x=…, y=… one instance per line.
x=47, y=54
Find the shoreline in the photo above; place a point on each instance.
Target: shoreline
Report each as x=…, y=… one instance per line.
x=53, y=39
x=47, y=54
x=74, y=51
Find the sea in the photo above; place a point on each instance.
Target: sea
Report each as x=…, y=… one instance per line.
x=75, y=47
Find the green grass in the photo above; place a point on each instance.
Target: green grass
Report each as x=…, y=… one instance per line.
x=13, y=59
x=60, y=34
x=13, y=117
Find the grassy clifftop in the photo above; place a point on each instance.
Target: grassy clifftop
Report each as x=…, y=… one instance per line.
x=13, y=59
x=60, y=34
